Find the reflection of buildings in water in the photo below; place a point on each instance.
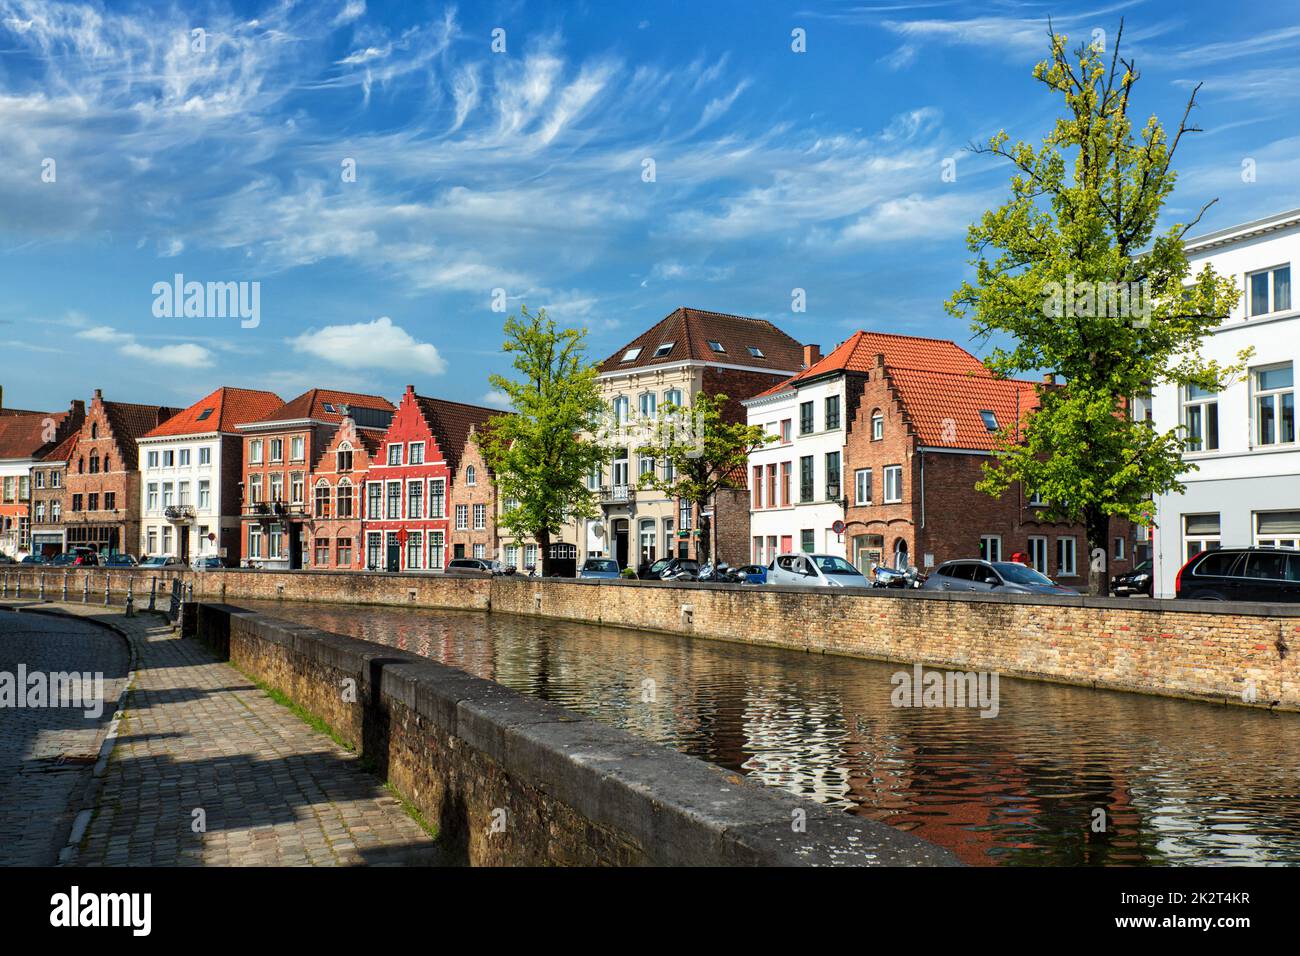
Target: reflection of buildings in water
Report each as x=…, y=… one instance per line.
x=798, y=745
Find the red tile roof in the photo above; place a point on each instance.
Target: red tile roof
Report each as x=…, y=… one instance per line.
x=451, y=422
x=944, y=407
x=226, y=408
x=311, y=404
x=63, y=450
x=131, y=422
x=691, y=330
x=25, y=436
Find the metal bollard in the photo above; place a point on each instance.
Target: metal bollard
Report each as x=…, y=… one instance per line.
x=18, y=586
x=65, y=587
x=153, y=594
x=41, y=593
x=106, y=591
x=4, y=588
x=130, y=597
x=85, y=589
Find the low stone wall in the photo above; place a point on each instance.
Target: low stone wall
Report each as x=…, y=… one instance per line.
x=511, y=780
x=1234, y=653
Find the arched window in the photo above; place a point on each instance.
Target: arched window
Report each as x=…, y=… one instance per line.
x=81, y=465
x=344, y=509
x=94, y=429
x=106, y=461
x=323, y=498
x=877, y=425
x=94, y=462
x=471, y=476
x=344, y=458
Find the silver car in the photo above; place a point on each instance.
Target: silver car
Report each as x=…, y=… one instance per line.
x=815, y=570
x=1003, y=577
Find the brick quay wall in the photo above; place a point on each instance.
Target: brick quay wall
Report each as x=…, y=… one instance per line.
x=1234, y=653
x=512, y=780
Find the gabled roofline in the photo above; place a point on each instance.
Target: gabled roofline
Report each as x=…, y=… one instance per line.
x=694, y=363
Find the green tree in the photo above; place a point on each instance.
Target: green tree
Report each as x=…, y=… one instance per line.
x=704, y=450
x=539, y=455
x=1072, y=268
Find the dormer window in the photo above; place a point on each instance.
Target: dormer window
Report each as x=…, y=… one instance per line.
x=990, y=420
x=631, y=354
x=756, y=352
x=716, y=346
x=664, y=349
x=205, y=414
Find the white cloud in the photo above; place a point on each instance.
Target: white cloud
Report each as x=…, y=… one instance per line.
x=377, y=344
x=187, y=355
x=496, y=399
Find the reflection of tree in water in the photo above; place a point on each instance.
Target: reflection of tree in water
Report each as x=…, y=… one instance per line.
x=1180, y=782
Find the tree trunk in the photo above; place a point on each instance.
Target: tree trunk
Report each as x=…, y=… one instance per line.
x=544, y=551
x=1098, y=527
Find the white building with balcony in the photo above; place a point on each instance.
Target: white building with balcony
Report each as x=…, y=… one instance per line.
x=190, y=469
x=1246, y=486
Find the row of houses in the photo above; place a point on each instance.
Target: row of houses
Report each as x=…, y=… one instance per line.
x=874, y=452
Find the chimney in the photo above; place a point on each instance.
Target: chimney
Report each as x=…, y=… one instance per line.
x=410, y=390
x=811, y=355
x=1049, y=378
x=97, y=397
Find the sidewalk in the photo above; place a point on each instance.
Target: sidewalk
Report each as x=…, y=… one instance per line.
x=208, y=770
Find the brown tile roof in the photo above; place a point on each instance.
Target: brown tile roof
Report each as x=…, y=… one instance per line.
x=858, y=353
x=131, y=422
x=691, y=330
x=226, y=408
x=64, y=450
x=450, y=423
x=944, y=407
x=24, y=436
x=311, y=404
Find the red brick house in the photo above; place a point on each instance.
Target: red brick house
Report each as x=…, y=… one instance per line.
x=49, y=497
x=103, y=481
x=25, y=439
x=337, y=491
x=279, y=449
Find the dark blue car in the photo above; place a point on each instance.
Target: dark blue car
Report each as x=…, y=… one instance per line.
x=753, y=573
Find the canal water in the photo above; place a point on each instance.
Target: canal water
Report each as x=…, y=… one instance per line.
x=1060, y=776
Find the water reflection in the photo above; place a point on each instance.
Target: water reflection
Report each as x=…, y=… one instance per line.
x=1179, y=782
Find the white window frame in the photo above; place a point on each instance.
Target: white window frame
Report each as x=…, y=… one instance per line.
x=1274, y=396
x=896, y=471
x=991, y=547
x=1067, y=556
x=1270, y=303
x=1038, y=553
x=862, y=481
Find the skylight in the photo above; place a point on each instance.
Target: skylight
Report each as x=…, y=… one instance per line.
x=755, y=351
x=205, y=414
x=664, y=349
x=631, y=354
x=329, y=408
x=716, y=346
x=990, y=420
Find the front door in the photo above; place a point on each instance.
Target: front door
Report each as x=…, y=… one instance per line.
x=620, y=542
x=393, y=553
x=183, y=544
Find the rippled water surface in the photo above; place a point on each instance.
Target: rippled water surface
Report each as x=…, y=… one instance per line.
x=1180, y=782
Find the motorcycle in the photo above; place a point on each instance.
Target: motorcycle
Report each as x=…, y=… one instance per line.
x=722, y=574
x=887, y=577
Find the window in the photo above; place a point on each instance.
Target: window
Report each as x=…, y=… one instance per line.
x=205, y=456
x=1277, y=529
x=786, y=431
x=1270, y=290
x=771, y=485
x=394, y=509
x=471, y=476
x=877, y=425
x=512, y=555
x=480, y=517
x=205, y=495
x=664, y=349
x=436, y=549
x=54, y=510
x=832, y=476
x=55, y=479
x=806, y=541
x=683, y=514
x=254, y=489
x=92, y=501
x=806, y=478
x=151, y=497
x=168, y=498
x=343, y=458
x=1065, y=557
x=673, y=397
x=716, y=346
x=479, y=551
x=40, y=511
x=417, y=453
x=647, y=403
x=394, y=454
x=183, y=494
x=991, y=547
x=755, y=351
x=323, y=500
x=415, y=499
x=1038, y=553
x=862, y=486
x=343, y=500
x=205, y=414
x=1120, y=549
x=1274, y=405
x=374, y=500
x=297, y=487
x=40, y=479
x=989, y=419
x=167, y=540
x=297, y=448
x=374, y=548
x=276, y=449
x=344, y=550
x=277, y=487
x=787, y=469
x=1036, y=500
x=893, y=484
x=437, y=499
x=76, y=502
x=631, y=355
x=758, y=486
x=462, y=517
x=275, y=542
x=152, y=459
x=1201, y=419
x=805, y=418
x=620, y=410
x=94, y=463
x=414, y=550
x=151, y=542
x=322, y=552
x=255, y=451
x=832, y=412
x=183, y=460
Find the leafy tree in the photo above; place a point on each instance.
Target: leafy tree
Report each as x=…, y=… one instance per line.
x=703, y=448
x=1073, y=269
x=538, y=454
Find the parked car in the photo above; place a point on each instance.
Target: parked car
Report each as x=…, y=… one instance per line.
x=478, y=564
x=1005, y=577
x=209, y=563
x=30, y=559
x=752, y=573
x=605, y=568
x=64, y=560
x=1137, y=581
x=1241, y=574
x=119, y=561
x=85, y=557
x=670, y=569
x=815, y=570
x=161, y=561
x=8, y=559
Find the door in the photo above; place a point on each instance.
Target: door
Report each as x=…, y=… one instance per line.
x=620, y=542
x=183, y=544
x=392, y=553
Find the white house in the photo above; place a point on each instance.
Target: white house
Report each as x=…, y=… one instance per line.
x=1246, y=489
x=796, y=480
x=190, y=469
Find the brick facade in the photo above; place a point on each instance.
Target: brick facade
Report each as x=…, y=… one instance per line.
x=335, y=524
x=473, y=493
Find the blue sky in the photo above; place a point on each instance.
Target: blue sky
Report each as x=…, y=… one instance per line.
x=523, y=170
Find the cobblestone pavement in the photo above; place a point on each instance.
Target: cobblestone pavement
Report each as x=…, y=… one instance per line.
x=46, y=753
x=208, y=770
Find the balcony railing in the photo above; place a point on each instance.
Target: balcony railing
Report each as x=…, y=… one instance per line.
x=272, y=510
x=617, y=494
x=178, y=512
